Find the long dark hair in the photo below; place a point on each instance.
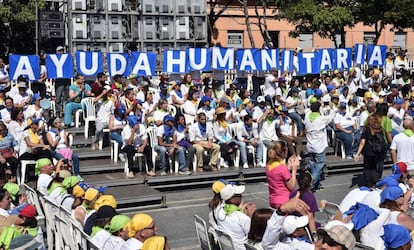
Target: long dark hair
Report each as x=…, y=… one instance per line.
x=304, y=181
x=258, y=223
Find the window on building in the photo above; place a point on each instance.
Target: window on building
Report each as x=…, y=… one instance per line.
x=338, y=41
x=274, y=36
x=369, y=37
x=400, y=39
x=306, y=41
x=235, y=39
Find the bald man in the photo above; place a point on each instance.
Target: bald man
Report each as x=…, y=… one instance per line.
x=402, y=146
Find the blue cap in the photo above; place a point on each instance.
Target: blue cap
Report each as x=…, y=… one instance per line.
x=398, y=169
x=330, y=87
x=398, y=101
x=355, y=98
x=388, y=180
x=132, y=120
x=391, y=193
x=395, y=236
x=317, y=93
x=284, y=109
x=84, y=185
x=205, y=99
x=35, y=97
x=342, y=105
x=100, y=189
x=411, y=104
x=121, y=108
x=168, y=118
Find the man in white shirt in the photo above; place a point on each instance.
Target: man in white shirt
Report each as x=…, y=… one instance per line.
x=105, y=108
x=402, y=145
x=268, y=132
x=136, y=141
x=233, y=219
x=140, y=227
x=396, y=114
x=44, y=169
x=166, y=142
x=201, y=136
x=162, y=111
x=271, y=80
x=248, y=135
x=317, y=141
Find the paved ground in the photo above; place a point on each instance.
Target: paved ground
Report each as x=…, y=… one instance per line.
x=176, y=222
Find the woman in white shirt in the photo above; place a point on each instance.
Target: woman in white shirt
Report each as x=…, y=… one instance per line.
x=223, y=137
x=184, y=141
x=116, y=124
x=17, y=124
x=177, y=95
x=190, y=106
x=345, y=127
x=291, y=102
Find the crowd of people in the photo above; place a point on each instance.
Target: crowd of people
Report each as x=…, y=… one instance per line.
x=369, y=113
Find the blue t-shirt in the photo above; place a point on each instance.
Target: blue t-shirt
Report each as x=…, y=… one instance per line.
x=76, y=90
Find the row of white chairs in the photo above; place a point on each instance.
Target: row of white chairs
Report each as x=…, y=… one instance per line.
x=225, y=241
x=62, y=231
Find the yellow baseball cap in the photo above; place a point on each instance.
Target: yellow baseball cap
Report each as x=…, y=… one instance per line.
x=218, y=186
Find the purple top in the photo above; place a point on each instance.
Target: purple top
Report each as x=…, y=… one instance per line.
x=309, y=198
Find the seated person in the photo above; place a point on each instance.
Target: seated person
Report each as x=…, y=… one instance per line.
x=201, y=136
x=288, y=134
x=234, y=218
x=119, y=232
x=77, y=91
x=32, y=146
x=166, y=142
x=136, y=141
x=141, y=227
x=8, y=155
x=247, y=134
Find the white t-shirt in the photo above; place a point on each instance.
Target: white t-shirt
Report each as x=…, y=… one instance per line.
x=268, y=131
x=270, y=85
x=160, y=132
x=139, y=136
x=397, y=117
x=404, y=146
x=100, y=238
x=105, y=109
x=372, y=199
x=132, y=244
x=159, y=115
x=113, y=243
x=237, y=225
x=344, y=120
x=354, y=196
x=42, y=182
x=371, y=233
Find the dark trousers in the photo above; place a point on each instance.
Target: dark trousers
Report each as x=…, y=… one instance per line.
x=37, y=154
x=257, y=81
x=224, y=150
x=130, y=151
x=370, y=170
x=38, y=87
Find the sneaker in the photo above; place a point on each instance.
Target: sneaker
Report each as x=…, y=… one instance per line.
x=72, y=124
x=260, y=165
x=163, y=173
x=151, y=173
x=225, y=164
x=122, y=157
x=184, y=172
x=245, y=165
x=348, y=157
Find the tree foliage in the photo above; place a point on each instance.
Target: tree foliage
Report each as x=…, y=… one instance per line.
x=327, y=19
x=17, y=26
x=379, y=13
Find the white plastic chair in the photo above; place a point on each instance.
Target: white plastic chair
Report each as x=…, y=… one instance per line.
x=233, y=131
x=202, y=233
x=51, y=209
x=77, y=117
x=338, y=143
x=65, y=238
x=23, y=168
x=89, y=113
x=250, y=247
x=83, y=240
x=105, y=130
x=173, y=109
x=225, y=241
x=34, y=199
x=140, y=157
x=114, y=150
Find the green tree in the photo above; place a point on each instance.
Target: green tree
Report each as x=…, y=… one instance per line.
x=17, y=26
x=326, y=18
x=379, y=13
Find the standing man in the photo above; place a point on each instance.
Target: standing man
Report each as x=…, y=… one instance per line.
x=271, y=85
x=247, y=134
x=61, y=88
x=402, y=146
x=317, y=140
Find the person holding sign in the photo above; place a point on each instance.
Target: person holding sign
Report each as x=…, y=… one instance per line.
x=77, y=91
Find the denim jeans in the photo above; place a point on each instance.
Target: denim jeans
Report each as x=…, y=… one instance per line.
x=162, y=151
x=118, y=138
x=347, y=139
x=243, y=152
x=316, y=162
x=297, y=119
x=69, y=108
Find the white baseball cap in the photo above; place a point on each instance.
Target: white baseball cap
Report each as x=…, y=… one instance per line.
x=260, y=99
x=230, y=190
x=291, y=223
